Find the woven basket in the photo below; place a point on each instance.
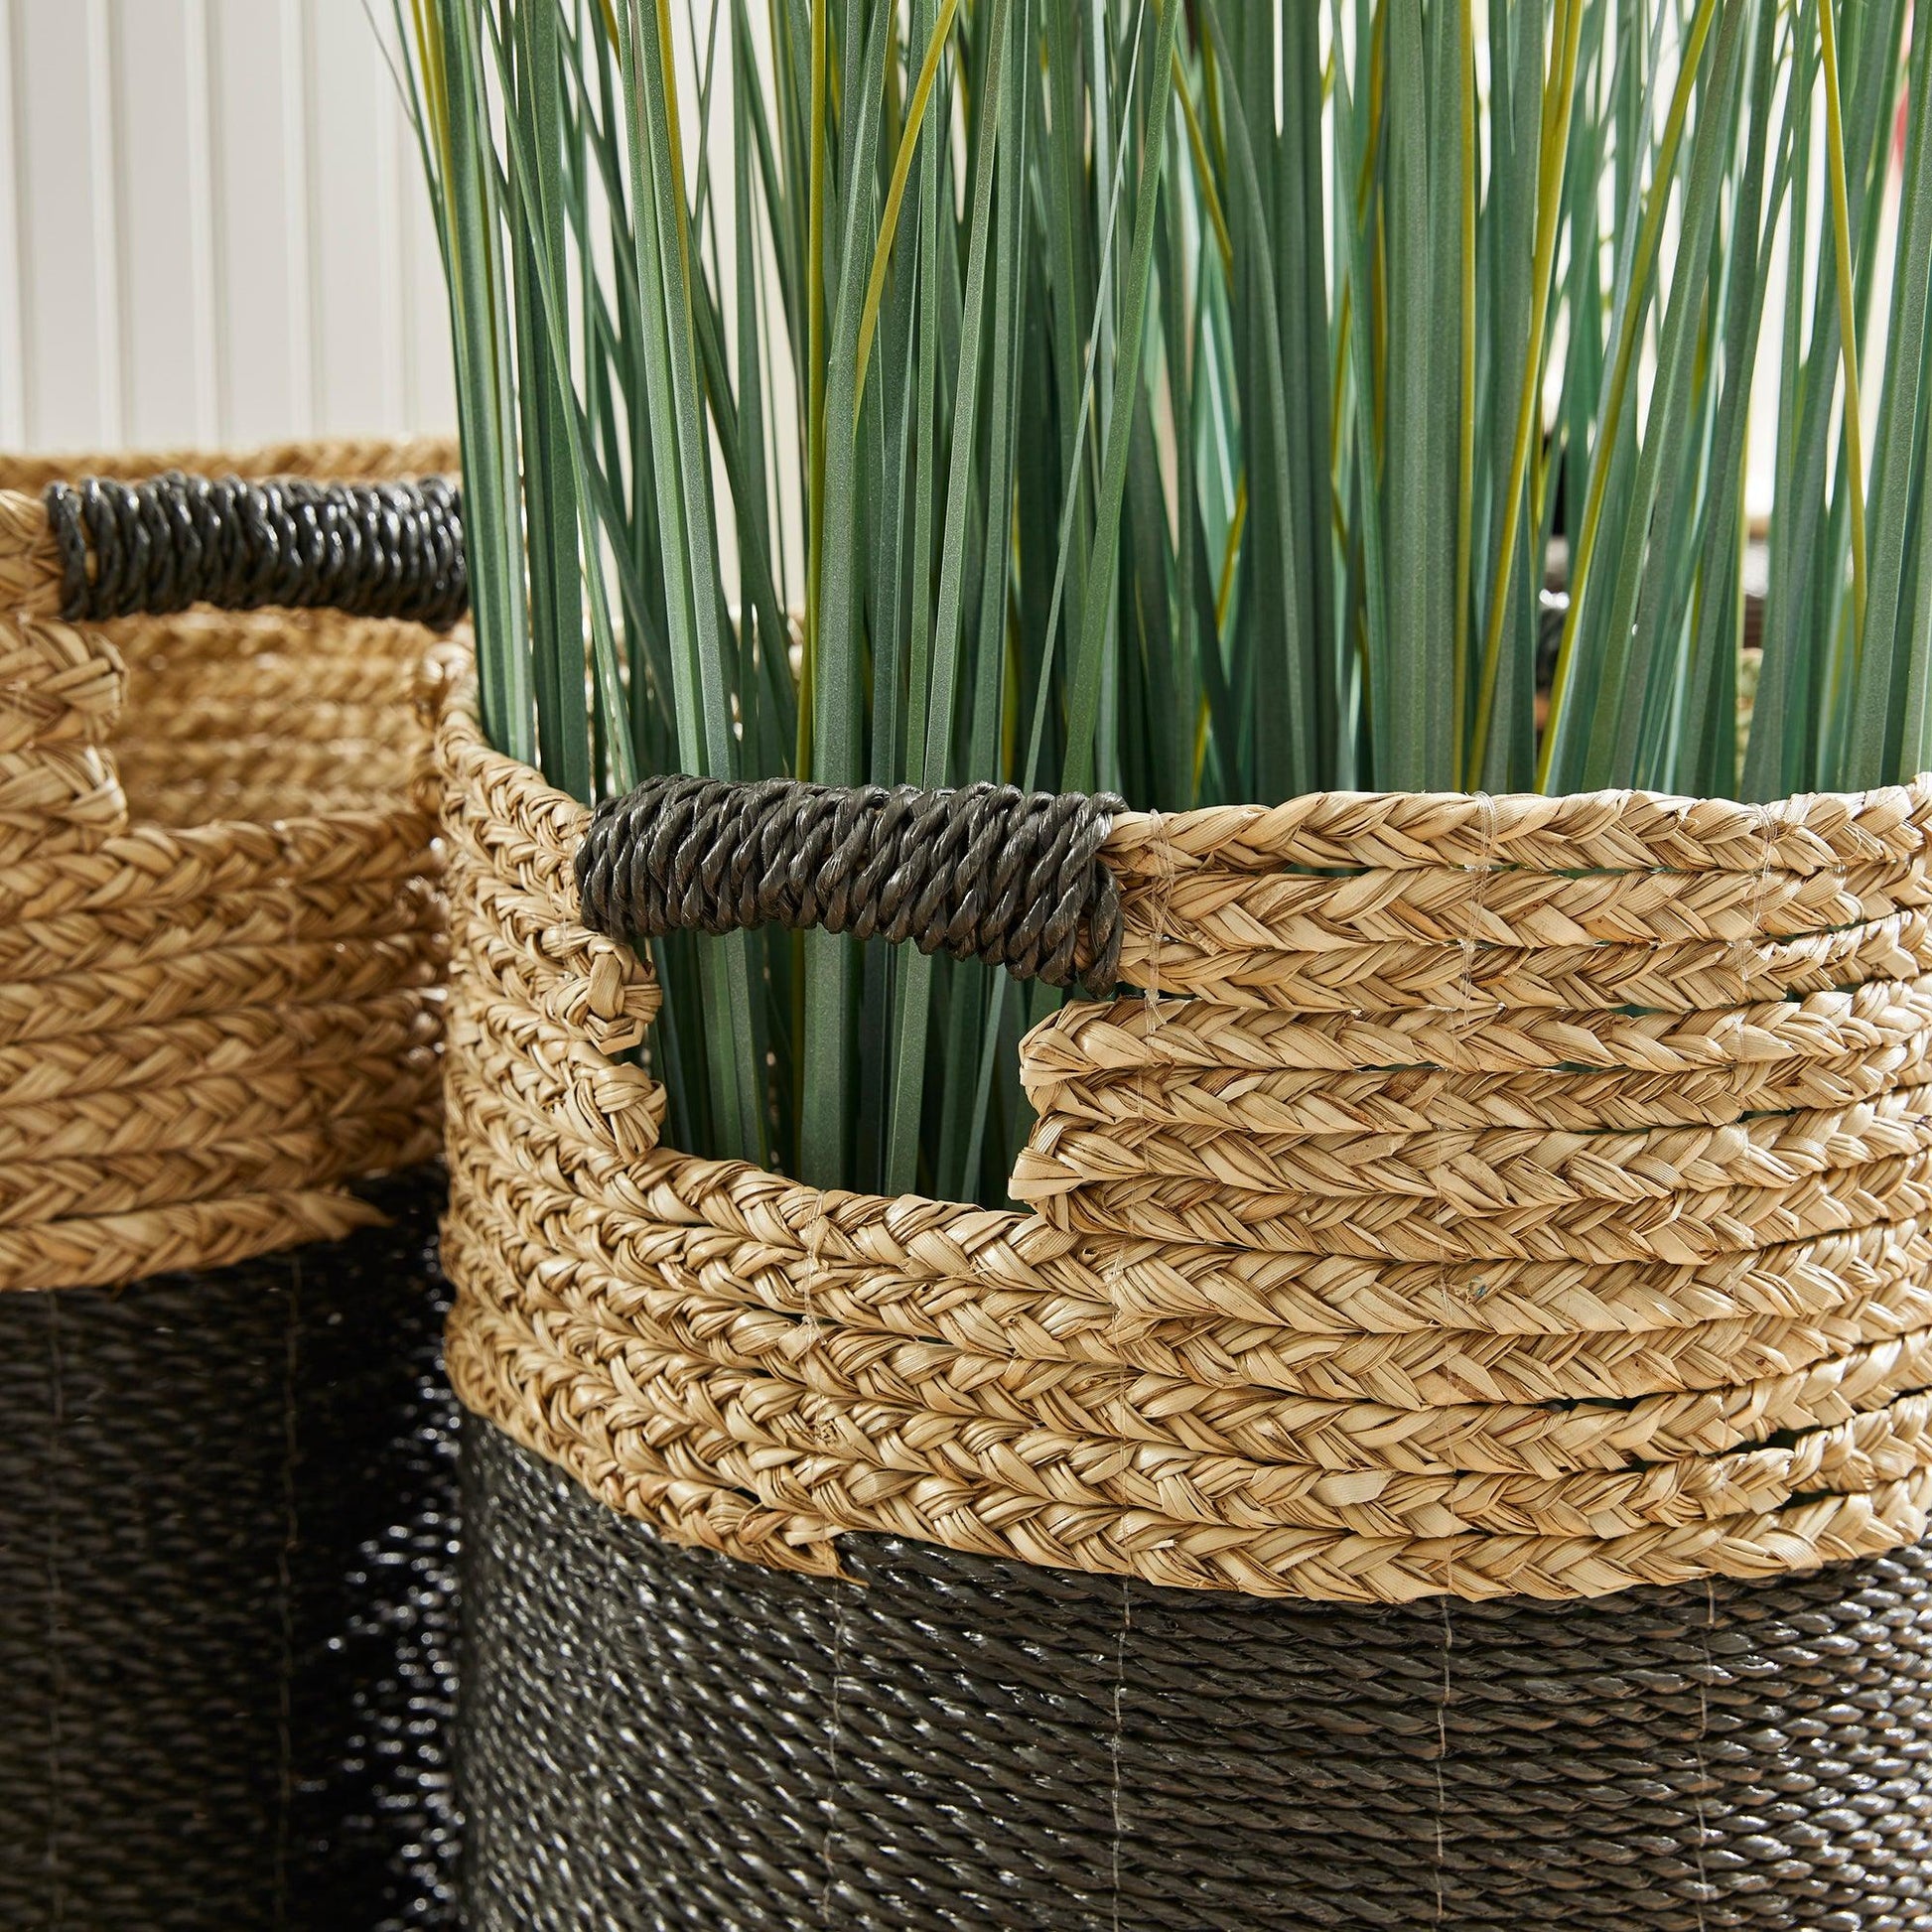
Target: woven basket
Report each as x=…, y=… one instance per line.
x=1448, y=1444
x=225, y=1473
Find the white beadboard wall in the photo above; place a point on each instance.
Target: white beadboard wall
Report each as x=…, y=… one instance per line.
x=212, y=229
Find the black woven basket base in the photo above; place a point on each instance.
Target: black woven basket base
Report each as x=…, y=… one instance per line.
x=226, y=1612
x=654, y=1737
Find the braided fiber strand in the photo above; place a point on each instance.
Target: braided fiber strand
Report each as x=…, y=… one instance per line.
x=987, y=872
x=1629, y=833
x=388, y=550
x=646, y=1742
x=1393, y=1263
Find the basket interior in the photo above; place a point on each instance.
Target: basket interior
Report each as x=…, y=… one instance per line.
x=266, y=715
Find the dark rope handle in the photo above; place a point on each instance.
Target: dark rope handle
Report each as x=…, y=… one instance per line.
x=987, y=872
x=368, y=550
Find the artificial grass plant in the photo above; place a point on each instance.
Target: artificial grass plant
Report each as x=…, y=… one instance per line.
x=1191, y=401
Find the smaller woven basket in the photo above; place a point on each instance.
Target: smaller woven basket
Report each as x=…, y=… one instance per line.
x=226, y=1481
x=1505, y=1216
x=221, y=934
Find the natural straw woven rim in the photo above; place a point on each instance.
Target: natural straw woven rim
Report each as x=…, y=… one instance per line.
x=339, y=459
x=1611, y=831
x=1511, y=1293
x=220, y=927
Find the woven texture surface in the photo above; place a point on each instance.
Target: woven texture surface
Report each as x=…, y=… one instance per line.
x=227, y=1619
x=360, y=457
x=1529, y=1196
x=367, y=550
x=661, y=1738
x=221, y=932
x=985, y=872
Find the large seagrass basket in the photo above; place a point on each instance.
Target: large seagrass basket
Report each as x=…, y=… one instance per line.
x=226, y=1466
x=1446, y=1446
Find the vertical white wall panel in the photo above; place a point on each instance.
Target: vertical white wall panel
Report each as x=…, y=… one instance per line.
x=68, y=352
x=213, y=227
x=163, y=287
x=12, y=392
x=261, y=324
x=352, y=219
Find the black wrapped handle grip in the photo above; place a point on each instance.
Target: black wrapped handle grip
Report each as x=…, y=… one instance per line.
x=986, y=871
x=370, y=550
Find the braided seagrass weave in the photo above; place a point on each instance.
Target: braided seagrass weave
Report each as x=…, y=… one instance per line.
x=220, y=930
x=224, y=1492
x=656, y=1737
x=227, y=1616
x=1518, y=1196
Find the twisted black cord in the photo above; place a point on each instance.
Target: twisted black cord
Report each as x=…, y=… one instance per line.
x=371, y=550
x=987, y=872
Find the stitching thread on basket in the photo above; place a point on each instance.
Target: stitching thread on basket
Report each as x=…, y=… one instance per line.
x=285, y=1594
x=1119, y=1736
x=1442, y=1762
x=828, y=1849
x=1151, y=1017
x=1704, y=1734
x=57, y=1681
x=1471, y=935
x=1459, y=1019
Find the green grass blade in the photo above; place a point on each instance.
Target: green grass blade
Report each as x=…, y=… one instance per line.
x=1888, y=703
x=699, y=668
x=1563, y=752
x=914, y=1009
x=505, y=688
x=895, y=191
x=1846, y=315
x=1084, y=698
x=1559, y=103
x=828, y=1066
